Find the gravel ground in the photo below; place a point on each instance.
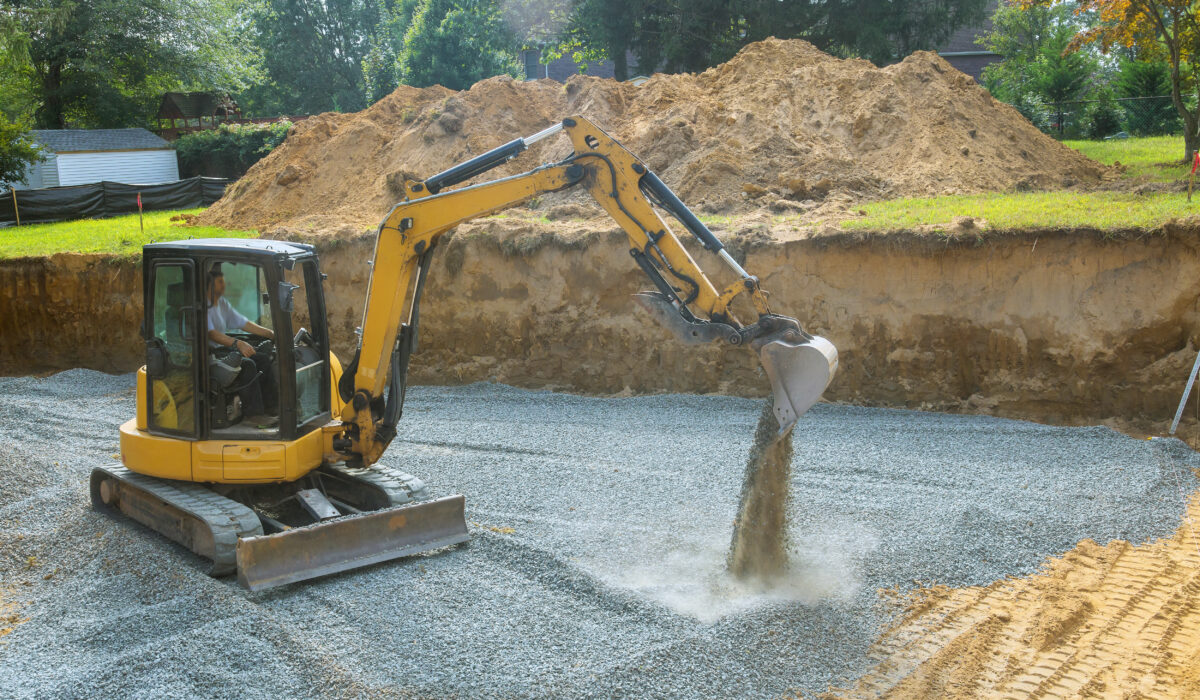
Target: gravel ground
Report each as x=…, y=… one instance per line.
x=609, y=582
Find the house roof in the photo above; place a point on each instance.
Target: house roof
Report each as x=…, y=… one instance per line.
x=70, y=140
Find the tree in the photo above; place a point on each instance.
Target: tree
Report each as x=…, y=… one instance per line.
x=380, y=64
x=313, y=52
x=691, y=35
x=596, y=31
x=1141, y=81
x=456, y=43
x=1155, y=28
x=1037, y=70
x=107, y=62
x=17, y=152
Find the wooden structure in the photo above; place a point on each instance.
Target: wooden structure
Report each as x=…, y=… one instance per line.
x=188, y=112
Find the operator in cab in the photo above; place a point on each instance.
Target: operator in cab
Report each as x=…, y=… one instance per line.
x=260, y=398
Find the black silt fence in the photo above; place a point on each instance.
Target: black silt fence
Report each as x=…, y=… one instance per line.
x=107, y=199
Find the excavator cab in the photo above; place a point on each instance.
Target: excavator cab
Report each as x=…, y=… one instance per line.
x=197, y=388
x=267, y=501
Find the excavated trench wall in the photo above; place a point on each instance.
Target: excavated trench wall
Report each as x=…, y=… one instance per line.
x=1056, y=326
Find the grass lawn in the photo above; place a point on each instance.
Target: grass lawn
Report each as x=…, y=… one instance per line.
x=119, y=234
x=1016, y=210
x=1158, y=158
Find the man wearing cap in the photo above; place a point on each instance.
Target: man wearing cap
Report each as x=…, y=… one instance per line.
x=260, y=394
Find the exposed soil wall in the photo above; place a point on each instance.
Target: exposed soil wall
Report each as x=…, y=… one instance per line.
x=68, y=311
x=1055, y=326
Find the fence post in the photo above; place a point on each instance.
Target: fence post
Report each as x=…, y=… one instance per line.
x=16, y=212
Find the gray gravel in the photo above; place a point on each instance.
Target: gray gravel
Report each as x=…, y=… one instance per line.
x=608, y=585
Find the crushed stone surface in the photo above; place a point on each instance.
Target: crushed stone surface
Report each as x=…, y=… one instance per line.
x=600, y=528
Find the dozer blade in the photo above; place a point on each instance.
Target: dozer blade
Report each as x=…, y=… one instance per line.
x=799, y=372
x=349, y=543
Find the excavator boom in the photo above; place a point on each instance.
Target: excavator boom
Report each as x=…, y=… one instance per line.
x=799, y=365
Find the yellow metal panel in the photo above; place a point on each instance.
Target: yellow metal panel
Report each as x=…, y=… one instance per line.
x=208, y=464
x=253, y=461
x=304, y=454
x=142, y=423
x=148, y=454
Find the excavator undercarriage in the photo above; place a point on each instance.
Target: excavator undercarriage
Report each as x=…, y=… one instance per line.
x=334, y=519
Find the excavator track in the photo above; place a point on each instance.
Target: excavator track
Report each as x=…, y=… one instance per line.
x=389, y=516
x=203, y=521
x=399, y=488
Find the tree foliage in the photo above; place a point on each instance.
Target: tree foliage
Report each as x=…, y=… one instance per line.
x=313, y=52
x=1163, y=29
x=1036, y=61
x=691, y=35
x=106, y=63
x=17, y=152
x=381, y=63
x=456, y=43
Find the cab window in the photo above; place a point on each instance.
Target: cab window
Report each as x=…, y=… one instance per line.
x=311, y=351
x=173, y=319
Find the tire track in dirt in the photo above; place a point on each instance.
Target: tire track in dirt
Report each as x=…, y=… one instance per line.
x=1101, y=621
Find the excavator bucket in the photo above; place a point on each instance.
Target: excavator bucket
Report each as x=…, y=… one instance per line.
x=350, y=542
x=800, y=366
x=799, y=371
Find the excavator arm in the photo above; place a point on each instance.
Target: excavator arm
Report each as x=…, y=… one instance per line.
x=798, y=365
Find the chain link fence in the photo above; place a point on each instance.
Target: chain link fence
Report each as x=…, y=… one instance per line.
x=1098, y=119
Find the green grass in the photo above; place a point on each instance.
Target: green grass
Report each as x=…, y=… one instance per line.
x=1026, y=210
x=1156, y=158
x=116, y=235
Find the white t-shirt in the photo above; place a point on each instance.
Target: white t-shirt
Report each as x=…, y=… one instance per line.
x=223, y=317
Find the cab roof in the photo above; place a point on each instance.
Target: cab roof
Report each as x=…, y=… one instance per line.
x=243, y=246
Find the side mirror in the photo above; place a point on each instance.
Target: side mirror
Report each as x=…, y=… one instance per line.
x=285, y=296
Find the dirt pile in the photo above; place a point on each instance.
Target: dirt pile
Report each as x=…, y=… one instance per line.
x=1114, y=621
x=759, y=547
x=781, y=124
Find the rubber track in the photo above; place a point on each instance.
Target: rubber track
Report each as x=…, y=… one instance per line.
x=226, y=519
x=400, y=487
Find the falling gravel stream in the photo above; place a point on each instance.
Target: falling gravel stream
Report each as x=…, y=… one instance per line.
x=758, y=551
x=597, y=566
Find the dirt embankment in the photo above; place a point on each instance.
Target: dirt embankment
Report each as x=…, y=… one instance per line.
x=1058, y=326
x=69, y=311
x=781, y=125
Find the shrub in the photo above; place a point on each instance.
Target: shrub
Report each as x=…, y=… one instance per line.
x=1102, y=118
x=229, y=150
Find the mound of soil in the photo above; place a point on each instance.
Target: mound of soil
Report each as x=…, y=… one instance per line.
x=780, y=121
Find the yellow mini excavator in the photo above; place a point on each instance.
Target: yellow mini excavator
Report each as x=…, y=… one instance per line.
x=287, y=498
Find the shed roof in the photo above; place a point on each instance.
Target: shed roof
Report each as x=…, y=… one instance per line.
x=71, y=140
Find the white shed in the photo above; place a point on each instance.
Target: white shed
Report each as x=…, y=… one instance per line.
x=83, y=156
